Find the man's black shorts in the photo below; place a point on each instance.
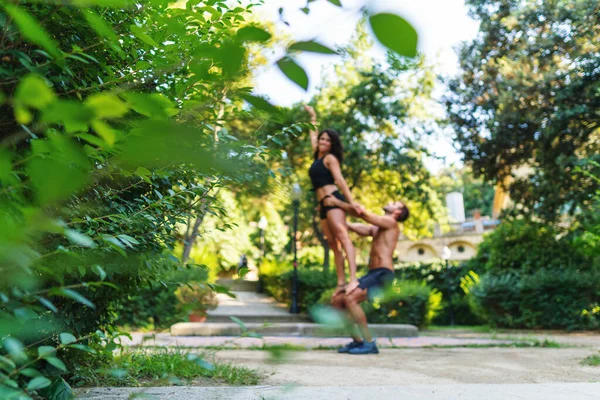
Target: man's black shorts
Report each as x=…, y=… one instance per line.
x=376, y=280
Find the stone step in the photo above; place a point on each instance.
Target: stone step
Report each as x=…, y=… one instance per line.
x=260, y=319
x=238, y=285
x=284, y=329
x=252, y=307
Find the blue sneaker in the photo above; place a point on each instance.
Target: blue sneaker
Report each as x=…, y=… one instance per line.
x=365, y=348
x=352, y=345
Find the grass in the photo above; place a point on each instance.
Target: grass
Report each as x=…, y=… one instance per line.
x=591, y=361
x=165, y=367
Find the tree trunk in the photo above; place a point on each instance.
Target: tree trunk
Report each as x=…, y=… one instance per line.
x=192, y=234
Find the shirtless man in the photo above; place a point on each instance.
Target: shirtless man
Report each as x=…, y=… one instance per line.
x=385, y=232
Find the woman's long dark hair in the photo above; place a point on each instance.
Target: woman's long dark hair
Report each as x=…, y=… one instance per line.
x=336, y=144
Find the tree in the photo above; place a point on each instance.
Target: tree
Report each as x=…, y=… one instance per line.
x=528, y=95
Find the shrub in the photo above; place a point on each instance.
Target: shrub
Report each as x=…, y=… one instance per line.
x=405, y=302
x=526, y=246
x=156, y=306
x=448, y=282
x=196, y=298
x=311, y=285
x=548, y=299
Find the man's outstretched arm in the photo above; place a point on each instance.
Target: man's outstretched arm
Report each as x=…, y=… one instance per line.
x=360, y=229
x=380, y=221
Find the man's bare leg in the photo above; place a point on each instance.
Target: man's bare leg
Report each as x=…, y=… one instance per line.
x=338, y=302
x=352, y=303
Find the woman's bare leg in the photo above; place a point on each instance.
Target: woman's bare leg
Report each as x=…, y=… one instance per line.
x=338, y=256
x=339, y=227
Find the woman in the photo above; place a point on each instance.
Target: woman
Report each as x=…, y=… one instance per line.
x=326, y=177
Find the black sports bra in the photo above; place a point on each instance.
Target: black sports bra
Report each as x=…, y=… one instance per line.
x=319, y=174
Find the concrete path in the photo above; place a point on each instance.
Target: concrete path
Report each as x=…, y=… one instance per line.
x=553, y=391
x=165, y=339
x=419, y=366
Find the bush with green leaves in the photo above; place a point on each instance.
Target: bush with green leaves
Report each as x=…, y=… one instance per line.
x=312, y=282
x=525, y=246
x=405, y=302
x=546, y=299
x=447, y=281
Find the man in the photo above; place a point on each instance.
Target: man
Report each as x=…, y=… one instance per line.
x=385, y=232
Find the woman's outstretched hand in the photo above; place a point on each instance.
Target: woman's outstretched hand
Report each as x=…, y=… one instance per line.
x=358, y=209
x=311, y=112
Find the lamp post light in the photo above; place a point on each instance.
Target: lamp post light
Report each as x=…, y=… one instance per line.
x=296, y=195
x=446, y=254
x=262, y=225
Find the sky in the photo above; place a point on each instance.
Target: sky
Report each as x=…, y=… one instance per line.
x=441, y=26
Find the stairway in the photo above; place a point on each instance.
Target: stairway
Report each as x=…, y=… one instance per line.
x=262, y=314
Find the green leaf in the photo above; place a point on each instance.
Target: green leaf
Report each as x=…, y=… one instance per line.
x=57, y=363
x=204, y=364
x=100, y=26
x=40, y=382
x=67, y=338
x=82, y=347
x=72, y=114
x=242, y=272
x=60, y=390
x=79, y=238
x=99, y=271
x=293, y=71
x=55, y=178
x=5, y=166
x=253, y=34
x=221, y=289
x=92, y=139
x=105, y=132
x=395, y=33
x=259, y=103
x=7, y=364
x=328, y=316
x=45, y=351
x=48, y=304
x=30, y=372
x=335, y=2
x=151, y=105
x=312, y=47
x=107, y=105
x=32, y=30
x=239, y=322
x=142, y=35
x=76, y=296
x=25, y=313
x=34, y=92
x=10, y=382
x=15, y=348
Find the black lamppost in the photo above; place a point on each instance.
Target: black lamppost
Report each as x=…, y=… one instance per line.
x=296, y=194
x=447, y=253
x=262, y=225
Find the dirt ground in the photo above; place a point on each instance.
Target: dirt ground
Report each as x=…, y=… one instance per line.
x=421, y=366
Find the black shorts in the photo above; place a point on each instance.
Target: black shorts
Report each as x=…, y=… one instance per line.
x=325, y=209
x=376, y=280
